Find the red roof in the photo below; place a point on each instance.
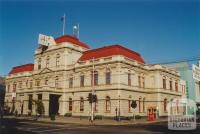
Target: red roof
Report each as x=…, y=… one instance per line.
x=22, y=68
x=109, y=51
x=72, y=39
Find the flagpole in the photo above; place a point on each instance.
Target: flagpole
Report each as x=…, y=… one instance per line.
x=63, y=24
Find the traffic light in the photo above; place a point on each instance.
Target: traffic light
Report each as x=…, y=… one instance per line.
x=89, y=98
x=92, y=98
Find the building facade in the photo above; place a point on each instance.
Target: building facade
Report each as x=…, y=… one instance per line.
x=186, y=73
x=64, y=73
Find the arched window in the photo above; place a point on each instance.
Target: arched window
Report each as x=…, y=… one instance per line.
x=81, y=104
x=47, y=61
x=39, y=63
x=129, y=105
x=57, y=60
x=96, y=106
x=165, y=105
x=108, y=104
x=139, y=104
x=108, y=77
x=177, y=106
x=144, y=105
x=70, y=104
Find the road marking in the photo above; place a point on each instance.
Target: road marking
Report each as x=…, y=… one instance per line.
x=49, y=130
x=58, y=129
x=44, y=124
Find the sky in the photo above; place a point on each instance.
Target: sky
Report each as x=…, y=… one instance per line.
x=160, y=30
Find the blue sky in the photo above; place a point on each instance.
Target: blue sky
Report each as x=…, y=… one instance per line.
x=159, y=30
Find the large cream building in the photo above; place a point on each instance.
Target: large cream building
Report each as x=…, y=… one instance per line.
x=62, y=75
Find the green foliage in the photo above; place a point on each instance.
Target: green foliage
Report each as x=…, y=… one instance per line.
x=68, y=114
x=134, y=104
x=39, y=107
x=92, y=98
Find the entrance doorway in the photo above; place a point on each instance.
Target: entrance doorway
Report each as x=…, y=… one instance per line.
x=53, y=104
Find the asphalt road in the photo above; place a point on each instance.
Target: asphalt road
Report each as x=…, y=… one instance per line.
x=13, y=126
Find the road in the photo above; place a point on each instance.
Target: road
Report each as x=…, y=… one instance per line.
x=13, y=126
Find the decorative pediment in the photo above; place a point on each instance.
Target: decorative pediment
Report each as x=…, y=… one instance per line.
x=46, y=70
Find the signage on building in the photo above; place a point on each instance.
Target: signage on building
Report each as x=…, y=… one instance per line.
x=196, y=72
x=46, y=40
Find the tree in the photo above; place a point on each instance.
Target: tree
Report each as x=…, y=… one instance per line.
x=92, y=98
x=39, y=107
x=133, y=105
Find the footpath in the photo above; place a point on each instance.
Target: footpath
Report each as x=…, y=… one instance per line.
x=85, y=121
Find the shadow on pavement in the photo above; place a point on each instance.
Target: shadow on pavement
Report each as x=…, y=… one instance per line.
x=9, y=126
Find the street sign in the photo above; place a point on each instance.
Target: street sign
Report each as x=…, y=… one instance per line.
x=196, y=72
x=46, y=40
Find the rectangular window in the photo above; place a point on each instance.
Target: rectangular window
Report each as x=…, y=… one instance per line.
x=95, y=106
x=107, y=78
x=46, y=82
x=37, y=83
x=31, y=84
x=129, y=105
x=14, y=87
x=95, y=79
x=139, y=81
x=164, y=83
x=143, y=82
x=129, y=79
x=70, y=82
x=170, y=85
x=20, y=84
x=30, y=102
x=39, y=96
x=82, y=79
x=27, y=83
x=56, y=83
x=176, y=86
